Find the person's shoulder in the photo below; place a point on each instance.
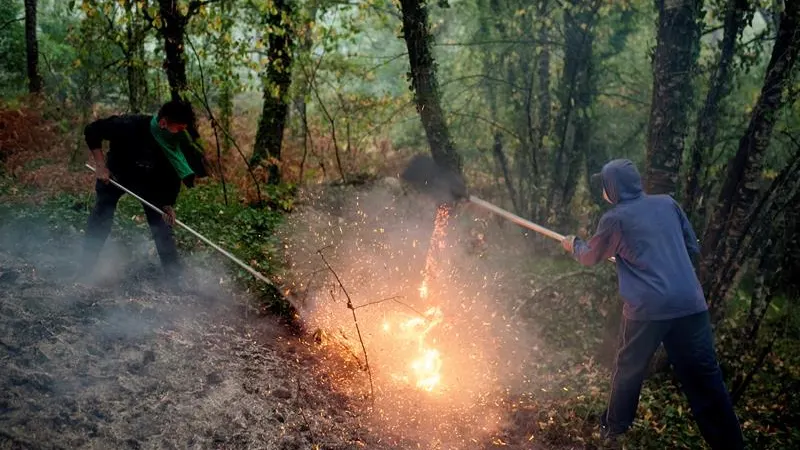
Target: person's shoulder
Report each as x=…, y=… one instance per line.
x=139, y=118
x=661, y=200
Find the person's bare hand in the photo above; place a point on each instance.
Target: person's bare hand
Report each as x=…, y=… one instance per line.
x=169, y=215
x=102, y=173
x=568, y=243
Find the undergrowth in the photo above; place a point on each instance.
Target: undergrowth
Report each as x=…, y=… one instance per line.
x=243, y=230
x=579, y=314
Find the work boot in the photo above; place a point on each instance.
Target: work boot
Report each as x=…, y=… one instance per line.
x=609, y=439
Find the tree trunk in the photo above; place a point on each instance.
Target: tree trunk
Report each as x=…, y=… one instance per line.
x=674, y=65
x=543, y=108
x=423, y=82
x=500, y=158
x=32, y=47
x=172, y=30
x=269, y=137
x=225, y=56
x=576, y=96
x=134, y=57
x=706, y=137
x=732, y=215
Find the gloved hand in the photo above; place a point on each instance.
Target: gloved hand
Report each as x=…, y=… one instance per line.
x=568, y=243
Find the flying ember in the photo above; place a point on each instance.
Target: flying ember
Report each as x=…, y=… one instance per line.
x=426, y=364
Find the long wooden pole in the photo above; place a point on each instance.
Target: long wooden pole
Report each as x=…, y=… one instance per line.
x=519, y=220
x=216, y=247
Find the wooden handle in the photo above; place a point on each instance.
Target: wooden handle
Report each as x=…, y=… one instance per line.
x=519, y=220
x=516, y=219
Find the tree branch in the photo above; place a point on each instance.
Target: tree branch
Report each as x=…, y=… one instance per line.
x=489, y=121
x=9, y=22
x=498, y=41
x=207, y=105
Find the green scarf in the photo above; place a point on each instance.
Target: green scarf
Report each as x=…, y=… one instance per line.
x=171, y=144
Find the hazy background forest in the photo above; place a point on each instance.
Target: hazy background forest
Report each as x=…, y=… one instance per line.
x=526, y=98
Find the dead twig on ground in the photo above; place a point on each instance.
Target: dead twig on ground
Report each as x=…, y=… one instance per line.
x=355, y=320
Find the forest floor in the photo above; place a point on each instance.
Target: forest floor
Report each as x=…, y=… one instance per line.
x=122, y=361
x=126, y=363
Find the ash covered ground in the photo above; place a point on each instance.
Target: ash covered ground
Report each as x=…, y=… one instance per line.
x=124, y=363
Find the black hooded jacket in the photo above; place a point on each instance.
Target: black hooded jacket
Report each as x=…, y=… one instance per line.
x=137, y=161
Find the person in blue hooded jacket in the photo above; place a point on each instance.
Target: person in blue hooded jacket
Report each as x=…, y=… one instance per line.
x=653, y=244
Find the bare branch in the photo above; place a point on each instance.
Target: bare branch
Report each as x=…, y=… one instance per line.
x=392, y=299
x=214, y=124
x=9, y=22
x=489, y=121
x=355, y=320
x=499, y=41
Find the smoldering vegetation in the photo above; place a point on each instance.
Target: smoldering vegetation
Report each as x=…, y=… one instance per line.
x=123, y=362
x=377, y=239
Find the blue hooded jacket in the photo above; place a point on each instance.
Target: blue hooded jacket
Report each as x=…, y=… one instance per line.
x=651, y=240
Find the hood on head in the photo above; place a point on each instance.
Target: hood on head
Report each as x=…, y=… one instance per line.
x=621, y=180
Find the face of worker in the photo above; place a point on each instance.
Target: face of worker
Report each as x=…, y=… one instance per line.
x=605, y=196
x=172, y=127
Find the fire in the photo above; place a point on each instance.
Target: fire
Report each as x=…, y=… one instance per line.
x=426, y=365
x=423, y=290
x=437, y=243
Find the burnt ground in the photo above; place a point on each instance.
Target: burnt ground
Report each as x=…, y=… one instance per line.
x=125, y=363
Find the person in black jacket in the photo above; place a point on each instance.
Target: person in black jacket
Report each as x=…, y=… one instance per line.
x=151, y=156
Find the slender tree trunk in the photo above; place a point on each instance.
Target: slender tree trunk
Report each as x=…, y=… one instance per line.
x=32, y=47
x=269, y=137
x=302, y=94
x=732, y=215
x=173, y=29
x=577, y=94
x=674, y=66
x=423, y=82
x=706, y=137
x=134, y=57
x=225, y=56
x=544, y=107
x=500, y=157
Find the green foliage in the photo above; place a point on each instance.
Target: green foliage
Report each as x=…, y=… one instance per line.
x=574, y=314
x=349, y=75
x=247, y=232
x=12, y=47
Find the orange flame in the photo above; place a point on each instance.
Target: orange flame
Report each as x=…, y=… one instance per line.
x=427, y=365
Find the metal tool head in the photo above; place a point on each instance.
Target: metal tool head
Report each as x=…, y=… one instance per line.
x=444, y=185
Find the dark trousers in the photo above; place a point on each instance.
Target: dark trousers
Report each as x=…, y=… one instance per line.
x=99, y=226
x=690, y=347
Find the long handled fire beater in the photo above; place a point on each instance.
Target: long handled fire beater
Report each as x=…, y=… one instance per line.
x=445, y=186
x=216, y=247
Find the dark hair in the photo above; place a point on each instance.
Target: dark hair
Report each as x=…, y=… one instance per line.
x=177, y=111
